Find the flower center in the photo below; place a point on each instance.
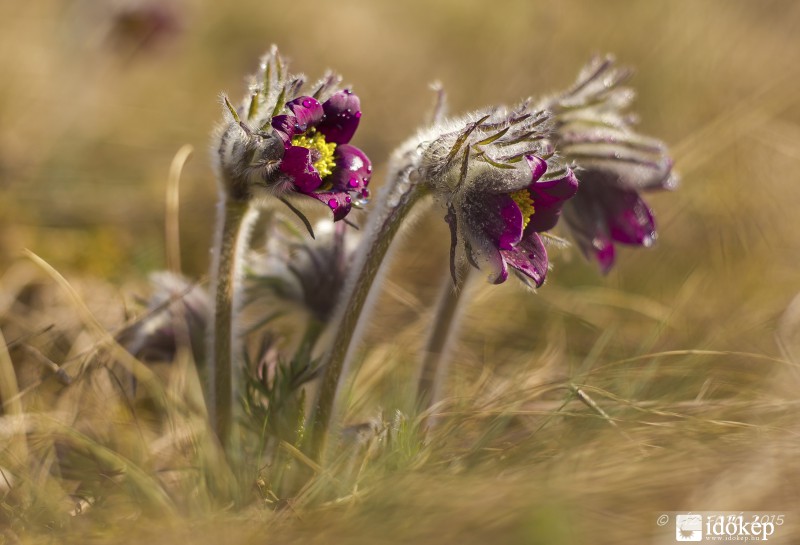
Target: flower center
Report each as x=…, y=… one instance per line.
x=525, y=203
x=316, y=142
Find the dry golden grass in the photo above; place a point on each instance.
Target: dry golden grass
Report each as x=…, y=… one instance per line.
x=576, y=415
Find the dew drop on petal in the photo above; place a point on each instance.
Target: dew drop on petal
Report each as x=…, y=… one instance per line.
x=347, y=199
x=307, y=102
x=333, y=204
x=358, y=115
x=353, y=182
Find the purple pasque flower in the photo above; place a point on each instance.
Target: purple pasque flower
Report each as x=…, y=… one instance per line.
x=502, y=186
x=282, y=142
x=317, y=155
x=614, y=163
x=501, y=228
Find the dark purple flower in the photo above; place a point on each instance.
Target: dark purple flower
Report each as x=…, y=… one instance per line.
x=502, y=185
x=280, y=141
x=317, y=154
x=614, y=163
x=603, y=213
x=502, y=228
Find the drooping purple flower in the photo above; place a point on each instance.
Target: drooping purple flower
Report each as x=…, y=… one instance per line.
x=614, y=163
x=284, y=142
x=501, y=229
x=501, y=185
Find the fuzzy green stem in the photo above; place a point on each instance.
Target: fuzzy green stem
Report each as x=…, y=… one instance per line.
x=397, y=201
x=444, y=328
x=234, y=219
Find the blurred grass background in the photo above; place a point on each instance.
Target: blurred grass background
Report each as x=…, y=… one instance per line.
x=89, y=123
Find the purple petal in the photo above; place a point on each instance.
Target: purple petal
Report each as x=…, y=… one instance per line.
x=484, y=254
x=600, y=215
x=630, y=220
x=538, y=166
x=603, y=250
x=548, y=199
x=621, y=211
x=298, y=164
x=529, y=257
x=599, y=247
x=353, y=169
x=286, y=126
x=307, y=110
x=338, y=201
x=497, y=217
x=342, y=113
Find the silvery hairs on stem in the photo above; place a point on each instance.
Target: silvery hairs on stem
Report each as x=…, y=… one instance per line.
x=501, y=183
x=276, y=143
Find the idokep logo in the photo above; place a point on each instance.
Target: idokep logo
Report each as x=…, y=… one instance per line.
x=689, y=527
x=716, y=526
x=750, y=527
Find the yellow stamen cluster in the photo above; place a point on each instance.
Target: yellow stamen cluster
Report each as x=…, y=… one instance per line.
x=525, y=203
x=316, y=141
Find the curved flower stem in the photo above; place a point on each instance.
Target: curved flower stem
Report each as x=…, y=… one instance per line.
x=234, y=219
x=397, y=200
x=445, y=325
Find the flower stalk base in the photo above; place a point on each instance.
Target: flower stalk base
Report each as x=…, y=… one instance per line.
x=397, y=201
x=234, y=221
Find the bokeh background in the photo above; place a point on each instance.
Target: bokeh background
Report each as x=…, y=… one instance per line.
x=97, y=97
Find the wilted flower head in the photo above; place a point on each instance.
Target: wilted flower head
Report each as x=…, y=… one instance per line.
x=309, y=273
x=614, y=163
x=281, y=141
x=501, y=184
x=177, y=311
